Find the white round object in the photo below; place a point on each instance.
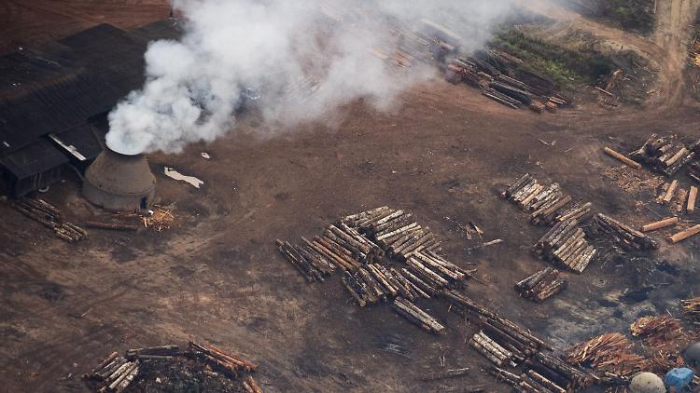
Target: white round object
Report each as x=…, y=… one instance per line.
x=647, y=383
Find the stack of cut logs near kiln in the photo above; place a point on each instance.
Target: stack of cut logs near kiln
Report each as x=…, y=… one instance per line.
x=116, y=373
x=50, y=216
x=364, y=244
x=565, y=244
x=541, y=285
x=487, y=70
x=668, y=155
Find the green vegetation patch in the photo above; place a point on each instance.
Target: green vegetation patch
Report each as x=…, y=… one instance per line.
x=565, y=67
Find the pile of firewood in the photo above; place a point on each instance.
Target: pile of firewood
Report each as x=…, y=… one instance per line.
x=541, y=285
x=609, y=354
x=545, y=203
x=623, y=234
x=417, y=316
x=677, y=198
x=691, y=308
x=375, y=283
x=395, y=231
x=566, y=245
x=50, y=216
x=661, y=332
x=491, y=350
x=116, y=373
x=666, y=155
x=514, y=345
x=484, y=74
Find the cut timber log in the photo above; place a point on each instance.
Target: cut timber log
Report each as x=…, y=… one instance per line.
x=417, y=316
x=667, y=222
x=622, y=158
x=679, y=237
x=115, y=226
x=692, y=199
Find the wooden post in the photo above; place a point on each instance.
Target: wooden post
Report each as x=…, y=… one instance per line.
x=622, y=158
x=667, y=222
x=692, y=199
x=670, y=192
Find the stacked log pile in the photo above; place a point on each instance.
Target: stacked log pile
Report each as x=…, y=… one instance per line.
x=623, y=234
x=498, y=86
x=608, y=354
x=541, y=285
x=547, y=204
x=417, y=316
x=513, y=345
x=50, y=216
x=491, y=350
x=691, y=308
x=666, y=155
x=116, y=373
x=566, y=246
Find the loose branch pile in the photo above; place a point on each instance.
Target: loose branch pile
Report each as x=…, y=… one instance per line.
x=566, y=245
x=663, y=332
x=623, y=234
x=610, y=354
x=541, y=285
x=544, y=203
x=50, y=216
x=116, y=373
x=694, y=171
x=666, y=155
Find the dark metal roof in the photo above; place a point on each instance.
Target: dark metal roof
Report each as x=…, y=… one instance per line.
x=80, y=77
x=35, y=158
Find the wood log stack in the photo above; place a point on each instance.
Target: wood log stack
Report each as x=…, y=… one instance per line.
x=547, y=204
x=623, y=234
x=541, y=285
x=666, y=155
x=691, y=308
x=417, y=316
x=566, y=246
x=608, y=354
x=491, y=350
x=50, y=216
x=115, y=373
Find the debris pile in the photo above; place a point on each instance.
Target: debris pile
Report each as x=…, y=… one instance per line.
x=545, y=203
x=541, y=285
x=609, y=354
x=694, y=171
x=117, y=373
x=160, y=219
x=663, y=332
x=665, y=155
x=49, y=216
x=623, y=234
x=566, y=245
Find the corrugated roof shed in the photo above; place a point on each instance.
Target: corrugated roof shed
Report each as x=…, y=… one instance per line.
x=59, y=89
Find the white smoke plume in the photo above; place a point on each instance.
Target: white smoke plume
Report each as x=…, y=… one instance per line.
x=194, y=86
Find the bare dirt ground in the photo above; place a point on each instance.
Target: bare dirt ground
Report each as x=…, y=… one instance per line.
x=217, y=276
